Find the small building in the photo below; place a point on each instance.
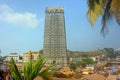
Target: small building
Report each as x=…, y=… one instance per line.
x=91, y=67
x=15, y=56
x=85, y=71
x=7, y=60
x=94, y=58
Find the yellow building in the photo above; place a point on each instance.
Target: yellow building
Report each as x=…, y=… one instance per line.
x=31, y=56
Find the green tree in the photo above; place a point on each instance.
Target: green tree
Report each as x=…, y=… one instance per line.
x=84, y=55
x=104, y=8
x=73, y=66
x=86, y=61
x=31, y=70
x=40, y=53
x=110, y=52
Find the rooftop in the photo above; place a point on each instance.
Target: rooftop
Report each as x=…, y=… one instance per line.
x=54, y=9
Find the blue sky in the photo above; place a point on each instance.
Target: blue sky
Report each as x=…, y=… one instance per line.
x=22, y=26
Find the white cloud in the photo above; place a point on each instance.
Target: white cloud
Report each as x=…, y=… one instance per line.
x=27, y=19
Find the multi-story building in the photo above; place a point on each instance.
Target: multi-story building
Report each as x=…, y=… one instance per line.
x=7, y=60
x=15, y=56
x=54, y=36
x=31, y=55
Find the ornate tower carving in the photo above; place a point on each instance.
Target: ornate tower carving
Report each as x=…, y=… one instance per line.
x=55, y=36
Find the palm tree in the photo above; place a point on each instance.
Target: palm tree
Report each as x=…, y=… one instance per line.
x=31, y=70
x=107, y=9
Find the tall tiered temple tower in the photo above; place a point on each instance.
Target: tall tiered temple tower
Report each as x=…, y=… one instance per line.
x=55, y=36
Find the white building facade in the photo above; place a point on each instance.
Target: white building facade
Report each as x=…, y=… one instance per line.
x=15, y=56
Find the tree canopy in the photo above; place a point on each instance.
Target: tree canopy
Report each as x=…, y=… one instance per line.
x=86, y=61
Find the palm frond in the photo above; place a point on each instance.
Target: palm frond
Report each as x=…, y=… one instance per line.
x=95, y=9
x=14, y=70
x=33, y=69
x=37, y=67
x=91, y=3
x=45, y=74
x=115, y=10
x=106, y=17
x=104, y=8
x=27, y=70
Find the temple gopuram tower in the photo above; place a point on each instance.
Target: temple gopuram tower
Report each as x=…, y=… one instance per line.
x=55, y=36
